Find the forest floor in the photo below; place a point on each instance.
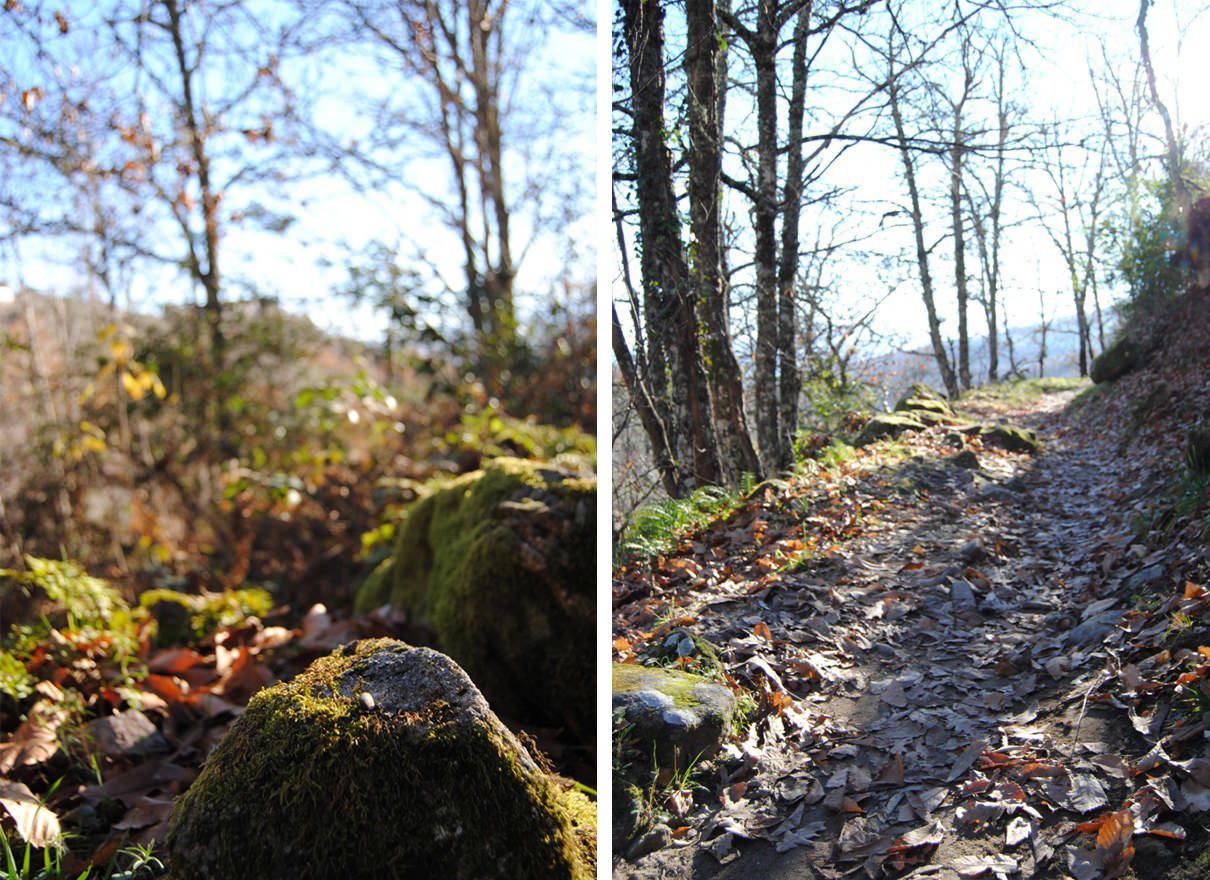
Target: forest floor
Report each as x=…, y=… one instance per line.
x=971, y=663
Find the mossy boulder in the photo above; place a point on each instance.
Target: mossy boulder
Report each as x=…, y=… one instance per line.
x=888, y=425
x=1008, y=437
x=677, y=717
x=380, y=760
x=1124, y=356
x=500, y=564
x=922, y=398
x=926, y=391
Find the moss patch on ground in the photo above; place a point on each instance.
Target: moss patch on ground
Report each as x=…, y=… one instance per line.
x=501, y=565
x=321, y=778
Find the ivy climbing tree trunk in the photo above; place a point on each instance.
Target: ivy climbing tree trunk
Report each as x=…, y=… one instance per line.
x=702, y=66
x=677, y=375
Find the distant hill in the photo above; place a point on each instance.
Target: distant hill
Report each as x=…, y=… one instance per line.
x=895, y=371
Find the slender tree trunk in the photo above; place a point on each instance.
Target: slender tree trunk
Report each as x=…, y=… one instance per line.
x=208, y=274
x=485, y=32
x=764, y=217
x=678, y=378
x=944, y=364
x=789, y=381
x=960, y=280
x=661, y=450
x=736, y=453
x=993, y=289
x=1096, y=303
x=1173, y=153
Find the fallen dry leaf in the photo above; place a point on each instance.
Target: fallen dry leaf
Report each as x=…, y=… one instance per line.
x=36, y=740
x=36, y=824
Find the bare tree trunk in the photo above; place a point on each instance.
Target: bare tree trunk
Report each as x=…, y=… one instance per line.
x=736, y=453
x=1044, y=327
x=789, y=382
x=1096, y=304
x=1173, y=154
x=957, y=153
x=678, y=380
x=208, y=274
x=661, y=450
x=922, y=255
x=763, y=45
x=960, y=280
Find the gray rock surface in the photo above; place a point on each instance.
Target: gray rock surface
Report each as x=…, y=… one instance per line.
x=126, y=735
x=678, y=716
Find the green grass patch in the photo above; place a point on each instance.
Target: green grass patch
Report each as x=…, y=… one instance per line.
x=1022, y=391
x=657, y=528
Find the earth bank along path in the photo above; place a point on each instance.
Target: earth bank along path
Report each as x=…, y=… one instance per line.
x=938, y=675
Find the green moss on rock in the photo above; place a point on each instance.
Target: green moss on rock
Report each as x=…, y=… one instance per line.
x=501, y=565
x=384, y=761
x=182, y=618
x=1010, y=438
x=922, y=399
x=675, y=717
x=1123, y=357
x=378, y=582
x=888, y=425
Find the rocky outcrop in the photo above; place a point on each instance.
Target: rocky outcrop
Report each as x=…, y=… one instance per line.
x=380, y=760
x=885, y=426
x=922, y=407
x=922, y=398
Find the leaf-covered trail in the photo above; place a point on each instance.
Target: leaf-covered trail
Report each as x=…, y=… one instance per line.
x=932, y=675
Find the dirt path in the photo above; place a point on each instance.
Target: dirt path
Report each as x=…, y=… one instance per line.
x=943, y=667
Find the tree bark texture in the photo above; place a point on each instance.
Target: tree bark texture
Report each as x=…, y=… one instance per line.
x=678, y=379
x=736, y=453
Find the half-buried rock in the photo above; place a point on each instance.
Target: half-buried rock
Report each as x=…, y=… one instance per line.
x=501, y=565
x=380, y=760
x=674, y=716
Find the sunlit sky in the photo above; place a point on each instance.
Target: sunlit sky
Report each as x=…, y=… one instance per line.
x=1061, y=88
x=331, y=214
x=1056, y=68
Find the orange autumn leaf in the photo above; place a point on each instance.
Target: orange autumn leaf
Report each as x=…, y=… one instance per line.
x=1193, y=591
x=761, y=631
x=1041, y=770
x=779, y=700
x=622, y=644
x=1114, y=835
x=1196, y=675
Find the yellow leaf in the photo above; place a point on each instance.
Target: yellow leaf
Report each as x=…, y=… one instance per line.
x=121, y=350
x=133, y=387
